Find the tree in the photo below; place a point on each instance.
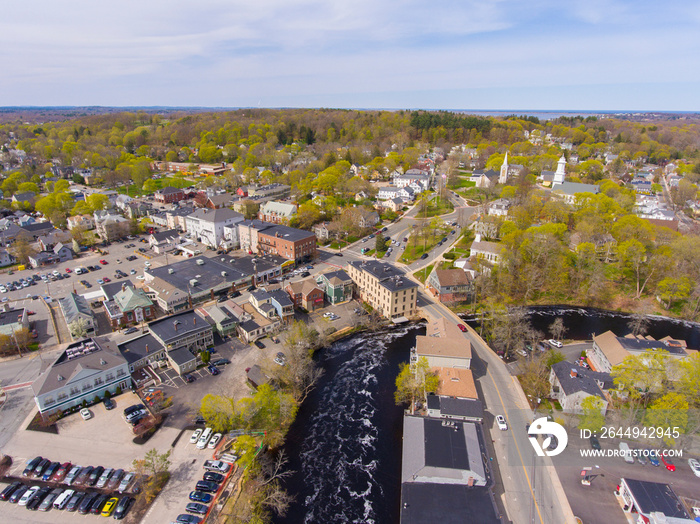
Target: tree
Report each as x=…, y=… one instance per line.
x=205, y=356
x=219, y=412
x=592, y=417
x=534, y=378
x=668, y=412
x=300, y=373
x=417, y=382
x=641, y=376
x=672, y=289
x=22, y=250
x=380, y=243
x=78, y=328
x=688, y=382
x=150, y=186
x=155, y=465
x=557, y=328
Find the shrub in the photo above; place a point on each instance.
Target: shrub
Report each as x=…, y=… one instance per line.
x=96, y=400
x=85, y=404
x=107, y=395
x=118, y=391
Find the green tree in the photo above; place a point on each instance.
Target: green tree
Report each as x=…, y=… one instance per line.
x=205, y=356
x=380, y=243
x=669, y=412
x=28, y=186
x=640, y=377
x=22, y=250
x=415, y=383
x=97, y=201
x=150, y=186
x=672, y=289
x=219, y=412
x=592, y=417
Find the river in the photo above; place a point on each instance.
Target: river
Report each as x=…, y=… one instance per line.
x=345, y=444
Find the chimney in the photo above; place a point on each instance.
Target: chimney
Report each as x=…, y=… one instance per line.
x=146, y=348
x=123, y=286
x=574, y=373
x=175, y=324
x=194, y=320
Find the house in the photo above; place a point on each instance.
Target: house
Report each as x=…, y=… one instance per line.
x=277, y=212
x=337, y=286
x=183, y=335
x=305, y=294
x=610, y=350
x=63, y=252
x=490, y=251
x=168, y=195
x=443, y=345
x=385, y=288
x=82, y=371
x=221, y=317
x=570, y=384
x=322, y=231
x=163, y=240
x=136, y=209
x=257, y=325
x=130, y=306
x=175, y=218
x=484, y=178
x=256, y=377
x=500, y=207
x=389, y=193
x=270, y=191
x=455, y=382
x=12, y=320
x=76, y=311
x=6, y=259
x=393, y=204
x=467, y=409
x=217, y=201
x=569, y=190
x=26, y=198
x=142, y=350
x=207, y=225
x=37, y=229
x=43, y=258
x=271, y=304
x=48, y=242
x=110, y=227
x=365, y=218
x=449, y=285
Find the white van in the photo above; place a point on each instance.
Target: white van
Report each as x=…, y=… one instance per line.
x=204, y=438
x=626, y=453
x=63, y=499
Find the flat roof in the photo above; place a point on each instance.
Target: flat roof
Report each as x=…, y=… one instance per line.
x=655, y=496
x=427, y=503
x=443, y=339
x=178, y=325
x=288, y=233
x=12, y=316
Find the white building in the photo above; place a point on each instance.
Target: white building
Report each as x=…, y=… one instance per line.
x=207, y=225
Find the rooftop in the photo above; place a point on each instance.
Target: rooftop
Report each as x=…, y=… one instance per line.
x=455, y=382
x=446, y=504
x=443, y=339
x=655, y=496
x=139, y=347
x=389, y=276
x=176, y=326
x=288, y=233
x=573, y=379
x=11, y=316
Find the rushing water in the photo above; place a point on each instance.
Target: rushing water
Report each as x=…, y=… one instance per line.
x=345, y=445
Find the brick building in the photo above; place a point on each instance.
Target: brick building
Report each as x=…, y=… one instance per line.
x=168, y=195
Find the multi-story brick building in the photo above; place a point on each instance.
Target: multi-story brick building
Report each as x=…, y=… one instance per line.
x=292, y=244
x=168, y=195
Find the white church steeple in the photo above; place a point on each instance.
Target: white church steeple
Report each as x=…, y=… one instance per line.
x=503, y=178
x=560, y=174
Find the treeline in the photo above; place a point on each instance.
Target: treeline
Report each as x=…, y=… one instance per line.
x=428, y=120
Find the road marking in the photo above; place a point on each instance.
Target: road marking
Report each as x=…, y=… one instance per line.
x=17, y=386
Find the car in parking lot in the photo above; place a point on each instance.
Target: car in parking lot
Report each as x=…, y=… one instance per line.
x=197, y=508
x=75, y=501
x=218, y=466
x=501, y=423
x=109, y=404
x=199, y=496
x=221, y=362
x=184, y=518
x=555, y=343
x=61, y=472
x=85, y=413
x=653, y=458
x=9, y=490
x=122, y=507
x=195, y=435
x=188, y=378
x=213, y=476
x=95, y=475
x=206, y=486
x=104, y=478
x=38, y=498
x=259, y=344
x=62, y=500
x=109, y=507
x=103, y=262
x=668, y=463
x=125, y=481
x=18, y=494
x=31, y=466
x=72, y=475
x=694, y=466
x=83, y=476
x=47, y=503
x=213, y=369
x=41, y=467
x=86, y=502
x=280, y=359
x=216, y=437
x=98, y=504
x=27, y=496
x=595, y=443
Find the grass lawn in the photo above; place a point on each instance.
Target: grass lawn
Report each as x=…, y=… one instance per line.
x=423, y=273
x=462, y=182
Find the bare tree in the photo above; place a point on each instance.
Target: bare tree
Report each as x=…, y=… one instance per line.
x=638, y=324
x=557, y=328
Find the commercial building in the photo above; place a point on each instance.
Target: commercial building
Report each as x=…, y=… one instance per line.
x=385, y=288
x=83, y=371
x=337, y=286
x=443, y=345
x=76, y=311
x=129, y=306
x=651, y=500
x=273, y=304
x=168, y=195
x=289, y=243
x=141, y=351
x=12, y=320
x=610, y=350
x=305, y=294
x=449, y=285
x=207, y=225
x=184, y=336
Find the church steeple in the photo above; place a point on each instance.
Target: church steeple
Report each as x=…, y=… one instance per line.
x=503, y=178
x=560, y=174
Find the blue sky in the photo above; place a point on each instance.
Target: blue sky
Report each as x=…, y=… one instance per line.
x=486, y=54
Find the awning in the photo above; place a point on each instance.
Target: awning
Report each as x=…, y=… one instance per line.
x=399, y=320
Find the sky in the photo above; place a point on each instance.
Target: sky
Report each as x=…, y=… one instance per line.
x=588, y=55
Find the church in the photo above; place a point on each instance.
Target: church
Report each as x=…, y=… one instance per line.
x=568, y=190
x=509, y=170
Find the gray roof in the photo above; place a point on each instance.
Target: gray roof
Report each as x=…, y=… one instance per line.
x=7, y=318
x=176, y=326
x=338, y=277
x=96, y=359
x=208, y=275
x=75, y=306
x=458, y=407
x=165, y=235
x=655, y=496
x=256, y=376
x=169, y=190
x=249, y=325
x=288, y=233
x=447, y=504
x=181, y=356
x=112, y=288
x=281, y=297
x=135, y=349
x=573, y=188
x=389, y=277
x=585, y=379
x=216, y=215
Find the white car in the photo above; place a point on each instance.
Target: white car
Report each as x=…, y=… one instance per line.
x=195, y=436
x=214, y=441
x=85, y=413
x=694, y=466
x=501, y=423
x=555, y=343
x=125, y=482
x=217, y=465
x=327, y=314
x=27, y=495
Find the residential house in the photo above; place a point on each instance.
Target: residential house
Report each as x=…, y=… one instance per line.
x=110, y=227
x=389, y=193
x=207, y=225
x=385, y=288
x=6, y=259
x=569, y=190
x=137, y=209
x=176, y=218
x=499, y=207
x=130, y=306
x=364, y=218
x=76, y=311
x=305, y=294
x=141, y=351
x=26, y=198
x=610, y=350
x=221, y=318
x=164, y=241
x=322, y=231
x=84, y=370
x=277, y=212
x=273, y=304
x=449, y=285
x=490, y=251
x=59, y=253
x=219, y=201
x=337, y=285
x=571, y=384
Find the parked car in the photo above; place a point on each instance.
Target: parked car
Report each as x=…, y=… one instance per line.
x=206, y=486
x=83, y=476
x=125, y=481
x=122, y=507
x=280, y=359
x=47, y=503
x=196, y=507
x=104, y=478
x=199, y=496
x=259, y=344
x=98, y=504
x=109, y=507
x=462, y=328
x=85, y=413
x=62, y=501
x=86, y=503
x=38, y=498
x=218, y=466
x=188, y=378
x=75, y=501
x=694, y=466
x=61, y=472
x=195, y=435
x=109, y=404
x=668, y=463
x=18, y=494
x=41, y=467
x=95, y=476
x=27, y=496
x=31, y=466
x=213, y=369
x=595, y=443
x=555, y=343
x=9, y=490
x=72, y=475
x=213, y=477
x=184, y=518
x=221, y=362
x=501, y=423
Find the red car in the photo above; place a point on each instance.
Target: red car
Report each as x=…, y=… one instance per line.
x=106, y=279
x=31, y=312
x=61, y=472
x=68, y=270
x=103, y=262
x=462, y=328
x=667, y=462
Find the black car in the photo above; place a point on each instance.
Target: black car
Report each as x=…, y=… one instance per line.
x=424, y=256
x=260, y=344
x=250, y=288
x=188, y=378
x=95, y=476
x=213, y=369
x=306, y=274
x=41, y=467
x=9, y=490
x=134, y=408
x=338, y=254
x=98, y=504
x=17, y=494
x=595, y=443
x=38, y=498
x=74, y=501
x=222, y=298
x=213, y=477
x=82, y=477
x=234, y=294
x=221, y=362
x=88, y=499
x=184, y=518
x=31, y=466
x=207, y=486
x=196, y=507
x=109, y=404
x=198, y=496
x=123, y=507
